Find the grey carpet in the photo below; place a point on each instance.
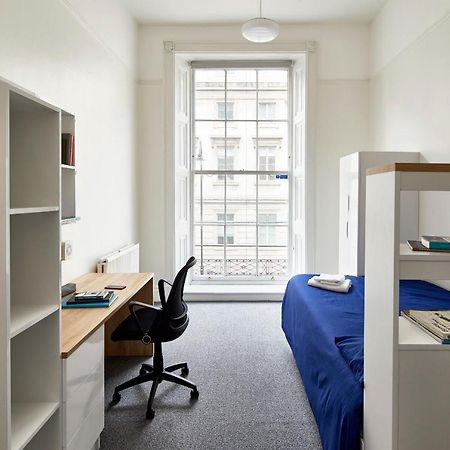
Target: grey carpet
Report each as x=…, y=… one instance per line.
x=251, y=394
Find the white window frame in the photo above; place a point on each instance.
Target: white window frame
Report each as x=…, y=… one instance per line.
x=302, y=53
x=239, y=278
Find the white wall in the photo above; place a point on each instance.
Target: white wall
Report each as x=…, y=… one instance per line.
x=410, y=90
x=341, y=122
x=80, y=55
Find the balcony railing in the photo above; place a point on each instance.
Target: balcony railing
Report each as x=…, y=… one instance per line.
x=241, y=267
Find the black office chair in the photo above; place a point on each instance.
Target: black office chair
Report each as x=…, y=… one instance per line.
x=148, y=324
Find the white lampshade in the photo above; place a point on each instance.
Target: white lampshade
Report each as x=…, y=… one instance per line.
x=260, y=30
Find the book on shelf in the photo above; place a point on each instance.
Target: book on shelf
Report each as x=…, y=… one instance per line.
x=99, y=299
x=417, y=246
x=68, y=149
x=434, y=323
x=436, y=242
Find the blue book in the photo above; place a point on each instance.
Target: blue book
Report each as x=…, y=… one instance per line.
x=66, y=304
x=436, y=242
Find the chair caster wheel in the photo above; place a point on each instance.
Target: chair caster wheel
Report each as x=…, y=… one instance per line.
x=150, y=414
x=184, y=371
x=142, y=371
x=195, y=393
x=116, y=397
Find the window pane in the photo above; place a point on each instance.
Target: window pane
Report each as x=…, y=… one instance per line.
x=241, y=79
x=209, y=91
x=273, y=79
x=274, y=194
x=225, y=110
x=241, y=198
x=241, y=141
x=209, y=198
x=272, y=261
x=209, y=79
x=207, y=249
x=241, y=262
x=273, y=141
x=245, y=104
x=273, y=197
x=209, y=143
x=243, y=235
x=272, y=105
x=272, y=250
x=211, y=264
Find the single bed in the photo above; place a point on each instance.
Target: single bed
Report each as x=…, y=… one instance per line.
x=313, y=321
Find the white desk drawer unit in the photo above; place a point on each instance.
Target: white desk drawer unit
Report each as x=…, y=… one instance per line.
x=83, y=394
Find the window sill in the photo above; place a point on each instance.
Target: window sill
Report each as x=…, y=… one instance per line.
x=234, y=292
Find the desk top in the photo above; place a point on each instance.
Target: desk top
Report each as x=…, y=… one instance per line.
x=77, y=324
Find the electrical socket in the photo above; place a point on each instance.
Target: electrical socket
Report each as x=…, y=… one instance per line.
x=66, y=250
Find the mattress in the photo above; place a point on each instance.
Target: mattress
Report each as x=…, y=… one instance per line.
x=314, y=320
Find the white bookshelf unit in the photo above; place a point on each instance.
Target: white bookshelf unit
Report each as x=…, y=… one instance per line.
x=30, y=365
x=406, y=389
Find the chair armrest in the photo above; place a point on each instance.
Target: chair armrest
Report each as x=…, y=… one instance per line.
x=162, y=293
x=132, y=306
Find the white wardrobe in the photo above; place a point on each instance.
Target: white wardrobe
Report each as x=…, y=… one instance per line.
x=352, y=206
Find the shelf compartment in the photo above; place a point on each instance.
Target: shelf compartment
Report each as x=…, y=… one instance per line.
x=27, y=419
x=35, y=256
x=412, y=337
x=35, y=375
x=32, y=210
x=34, y=153
x=25, y=316
x=68, y=199
x=423, y=265
x=406, y=254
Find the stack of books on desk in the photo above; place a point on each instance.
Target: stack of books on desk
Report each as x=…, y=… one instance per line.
x=430, y=244
x=96, y=299
x=434, y=323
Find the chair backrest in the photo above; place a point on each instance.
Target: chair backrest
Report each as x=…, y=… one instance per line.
x=175, y=307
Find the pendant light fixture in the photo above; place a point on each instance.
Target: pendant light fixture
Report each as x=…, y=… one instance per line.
x=260, y=29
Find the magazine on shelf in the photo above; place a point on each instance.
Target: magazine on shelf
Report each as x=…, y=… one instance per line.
x=435, y=323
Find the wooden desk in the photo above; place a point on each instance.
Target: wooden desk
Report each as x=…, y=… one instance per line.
x=78, y=324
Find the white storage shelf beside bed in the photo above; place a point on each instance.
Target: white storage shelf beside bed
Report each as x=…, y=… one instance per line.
x=407, y=393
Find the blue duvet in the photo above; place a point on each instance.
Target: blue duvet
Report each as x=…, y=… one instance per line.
x=325, y=332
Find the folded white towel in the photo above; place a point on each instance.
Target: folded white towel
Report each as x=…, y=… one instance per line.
x=328, y=283
x=330, y=278
x=342, y=287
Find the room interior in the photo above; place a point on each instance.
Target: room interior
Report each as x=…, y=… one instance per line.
x=365, y=89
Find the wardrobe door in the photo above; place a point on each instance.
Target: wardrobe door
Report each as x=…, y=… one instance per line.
x=348, y=214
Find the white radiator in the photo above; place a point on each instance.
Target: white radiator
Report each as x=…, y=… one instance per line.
x=124, y=260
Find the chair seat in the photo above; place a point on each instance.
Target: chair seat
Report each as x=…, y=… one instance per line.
x=128, y=330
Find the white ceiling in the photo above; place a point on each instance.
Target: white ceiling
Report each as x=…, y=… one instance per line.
x=237, y=11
